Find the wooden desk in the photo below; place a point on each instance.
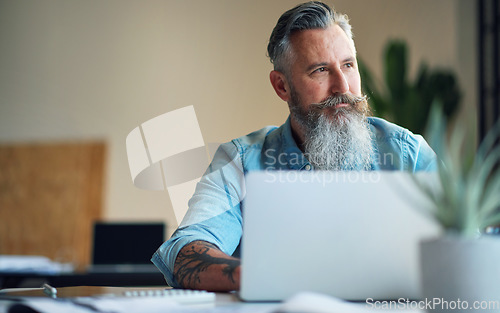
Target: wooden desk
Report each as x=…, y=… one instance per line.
x=227, y=302
x=222, y=299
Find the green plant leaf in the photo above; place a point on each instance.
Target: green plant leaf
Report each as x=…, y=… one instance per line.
x=375, y=98
x=470, y=181
x=491, y=197
x=406, y=102
x=395, y=70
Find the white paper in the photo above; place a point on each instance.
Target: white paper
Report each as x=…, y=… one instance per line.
x=32, y=263
x=130, y=305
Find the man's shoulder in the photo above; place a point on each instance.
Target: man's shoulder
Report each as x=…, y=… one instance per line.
x=387, y=134
x=382, y=128
x=255, y=138
x=391, y=139
x=249, y=142
x=245, y=150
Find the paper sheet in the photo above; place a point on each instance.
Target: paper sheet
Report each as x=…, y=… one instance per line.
x=32, y=263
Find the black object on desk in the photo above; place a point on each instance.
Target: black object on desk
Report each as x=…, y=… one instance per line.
x=118, y=245
x=118, y=279
x=120, y=257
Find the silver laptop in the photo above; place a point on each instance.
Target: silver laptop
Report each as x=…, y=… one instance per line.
x=352, y=235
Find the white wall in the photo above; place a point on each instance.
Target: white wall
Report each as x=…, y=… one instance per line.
x=87, y=69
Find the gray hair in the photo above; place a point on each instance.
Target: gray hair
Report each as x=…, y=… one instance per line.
x=309, y=15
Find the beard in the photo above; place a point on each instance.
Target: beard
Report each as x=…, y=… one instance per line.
x=336, y=138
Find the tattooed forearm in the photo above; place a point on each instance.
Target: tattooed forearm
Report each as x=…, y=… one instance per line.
x=230, y=268
x=196, y=258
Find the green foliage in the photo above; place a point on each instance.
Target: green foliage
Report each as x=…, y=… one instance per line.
x=406, y=102
x=470, y=180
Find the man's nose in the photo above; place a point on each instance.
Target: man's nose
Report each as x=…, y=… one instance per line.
x=338, y=82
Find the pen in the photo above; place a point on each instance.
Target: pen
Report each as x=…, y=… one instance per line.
x=49, y=290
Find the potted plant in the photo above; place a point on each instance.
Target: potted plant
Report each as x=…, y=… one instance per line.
x=461, y=269
x=404, y=101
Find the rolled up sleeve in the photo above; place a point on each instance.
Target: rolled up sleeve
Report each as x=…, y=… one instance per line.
x=214, y=213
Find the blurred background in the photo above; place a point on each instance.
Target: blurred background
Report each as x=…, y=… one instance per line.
x=89, y=71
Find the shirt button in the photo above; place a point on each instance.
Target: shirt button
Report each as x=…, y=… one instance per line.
x=307, y=167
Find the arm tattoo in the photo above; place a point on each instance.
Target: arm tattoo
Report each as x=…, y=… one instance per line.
x=194, y=259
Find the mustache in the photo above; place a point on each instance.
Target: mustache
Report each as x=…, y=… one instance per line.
x=335, y=100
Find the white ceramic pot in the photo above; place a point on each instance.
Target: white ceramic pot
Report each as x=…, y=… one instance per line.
x=460, y=274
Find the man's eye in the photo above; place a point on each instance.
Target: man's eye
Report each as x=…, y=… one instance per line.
x=321, y=69
x=350, y=64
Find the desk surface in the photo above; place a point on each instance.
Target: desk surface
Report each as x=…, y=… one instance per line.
x=224, y=301
x=94, y=291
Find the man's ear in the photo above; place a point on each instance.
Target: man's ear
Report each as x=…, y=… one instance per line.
x=280, y=85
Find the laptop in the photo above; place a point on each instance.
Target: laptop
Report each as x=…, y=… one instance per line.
x=125, y=247
x=351, y=235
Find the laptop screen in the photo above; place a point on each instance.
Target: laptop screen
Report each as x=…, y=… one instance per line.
x=126, y=243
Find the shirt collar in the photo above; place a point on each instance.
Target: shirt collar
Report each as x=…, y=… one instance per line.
x=296, y=159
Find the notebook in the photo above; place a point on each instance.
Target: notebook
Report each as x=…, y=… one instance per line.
x=125, y=247
x=352, y=235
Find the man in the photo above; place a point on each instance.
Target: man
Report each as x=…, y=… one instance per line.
x=316, y=73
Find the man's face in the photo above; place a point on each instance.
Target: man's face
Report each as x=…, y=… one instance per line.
x=323, y=89
x=323, y=65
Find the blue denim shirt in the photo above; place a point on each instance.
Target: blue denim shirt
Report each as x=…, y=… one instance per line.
x=214, y=213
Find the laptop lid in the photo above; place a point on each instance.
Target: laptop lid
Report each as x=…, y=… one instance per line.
x=125, y=246
x=352, y=235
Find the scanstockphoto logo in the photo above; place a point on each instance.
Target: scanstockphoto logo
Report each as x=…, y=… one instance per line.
x=322, y=177
x=434, y=304
x=168, y=152
x=274, y=160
